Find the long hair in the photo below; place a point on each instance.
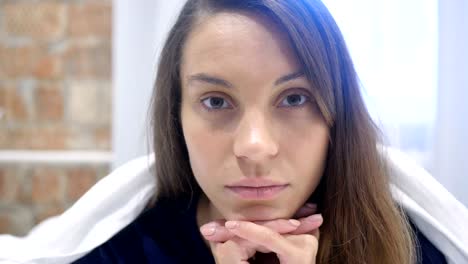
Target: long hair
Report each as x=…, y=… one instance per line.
x=362, y=224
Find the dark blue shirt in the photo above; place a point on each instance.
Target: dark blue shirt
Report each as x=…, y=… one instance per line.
x=168, y=234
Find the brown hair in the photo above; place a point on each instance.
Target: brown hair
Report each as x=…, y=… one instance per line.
x=362, y=224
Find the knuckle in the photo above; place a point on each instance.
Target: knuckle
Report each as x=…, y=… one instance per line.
x=272, y=224
x=309, y=240
x=264, y=237
x=304, y=241
x=279, y=226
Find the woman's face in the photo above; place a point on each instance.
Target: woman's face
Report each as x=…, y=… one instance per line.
x=248, y=115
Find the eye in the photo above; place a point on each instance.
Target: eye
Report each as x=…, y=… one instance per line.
x=214, y=103
x=294, y=100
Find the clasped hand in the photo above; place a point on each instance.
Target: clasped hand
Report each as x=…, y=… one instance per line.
x=294, y=241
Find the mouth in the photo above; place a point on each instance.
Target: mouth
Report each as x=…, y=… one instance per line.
x=257, y=193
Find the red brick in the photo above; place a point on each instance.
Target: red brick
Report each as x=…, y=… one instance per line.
x=7, y=138
x=14, y=105
x=18, y=61
x=15, y=61
x=18, y=105
x=49, y=67
x=49, y=103
x=42, y=20
x=80, y=180
x=38, y=137
x=3, y=118
x=3, y=187
x=5, y=224
x=30, y=61
x=3, y=101
x=44, y=212
x=89, y=61
x=46, y=186
x=90, y=19
x=10, y=181
x=102, y=137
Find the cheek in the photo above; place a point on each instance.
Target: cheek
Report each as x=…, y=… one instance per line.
x=206, y=148
x=306, y=150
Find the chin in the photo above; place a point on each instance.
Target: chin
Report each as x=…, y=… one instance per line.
x=257, y=213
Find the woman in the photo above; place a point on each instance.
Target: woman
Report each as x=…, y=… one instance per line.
x=265, y=150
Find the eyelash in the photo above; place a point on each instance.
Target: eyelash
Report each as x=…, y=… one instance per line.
x=304, y=95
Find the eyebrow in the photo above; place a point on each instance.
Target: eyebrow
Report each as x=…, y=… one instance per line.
x=289, y=77
x=203, y=77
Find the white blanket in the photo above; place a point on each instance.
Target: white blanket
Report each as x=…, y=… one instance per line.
x=120, y=197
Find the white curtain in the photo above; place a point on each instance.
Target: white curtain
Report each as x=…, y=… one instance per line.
x=139, y=29
x=451, y=145
x=412, y=60
x=394, y=48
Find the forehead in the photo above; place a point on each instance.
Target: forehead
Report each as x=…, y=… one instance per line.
x=238, y=43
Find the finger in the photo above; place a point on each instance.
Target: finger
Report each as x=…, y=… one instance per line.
x=249, y=246
x=216, y=232
x=308, y=224
x=260, y=235
x=306, y=210
x=281, y=226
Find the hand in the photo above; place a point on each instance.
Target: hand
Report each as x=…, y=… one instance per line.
x=293, y=241
x=216, y=231
x=251, y=238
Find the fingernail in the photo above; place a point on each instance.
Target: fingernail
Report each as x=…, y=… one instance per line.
x=294, y=222
x=311, y=205
x=231, y=224
x=208, y=230
x=315, y=218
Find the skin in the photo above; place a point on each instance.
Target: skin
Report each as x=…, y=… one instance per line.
x=240, y=122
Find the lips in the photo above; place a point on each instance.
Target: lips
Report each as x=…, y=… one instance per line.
x=256, y=182
x=257, y=193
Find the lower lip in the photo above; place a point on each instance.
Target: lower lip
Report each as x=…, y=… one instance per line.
x=257, y=193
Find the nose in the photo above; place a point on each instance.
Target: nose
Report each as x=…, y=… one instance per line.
x=254, y=139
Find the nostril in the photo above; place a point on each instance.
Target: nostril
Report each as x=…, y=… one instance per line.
x=256, y=151
x=255, y=139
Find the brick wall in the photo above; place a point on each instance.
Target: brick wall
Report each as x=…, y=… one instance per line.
x=29, y=193
x=55, y=94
